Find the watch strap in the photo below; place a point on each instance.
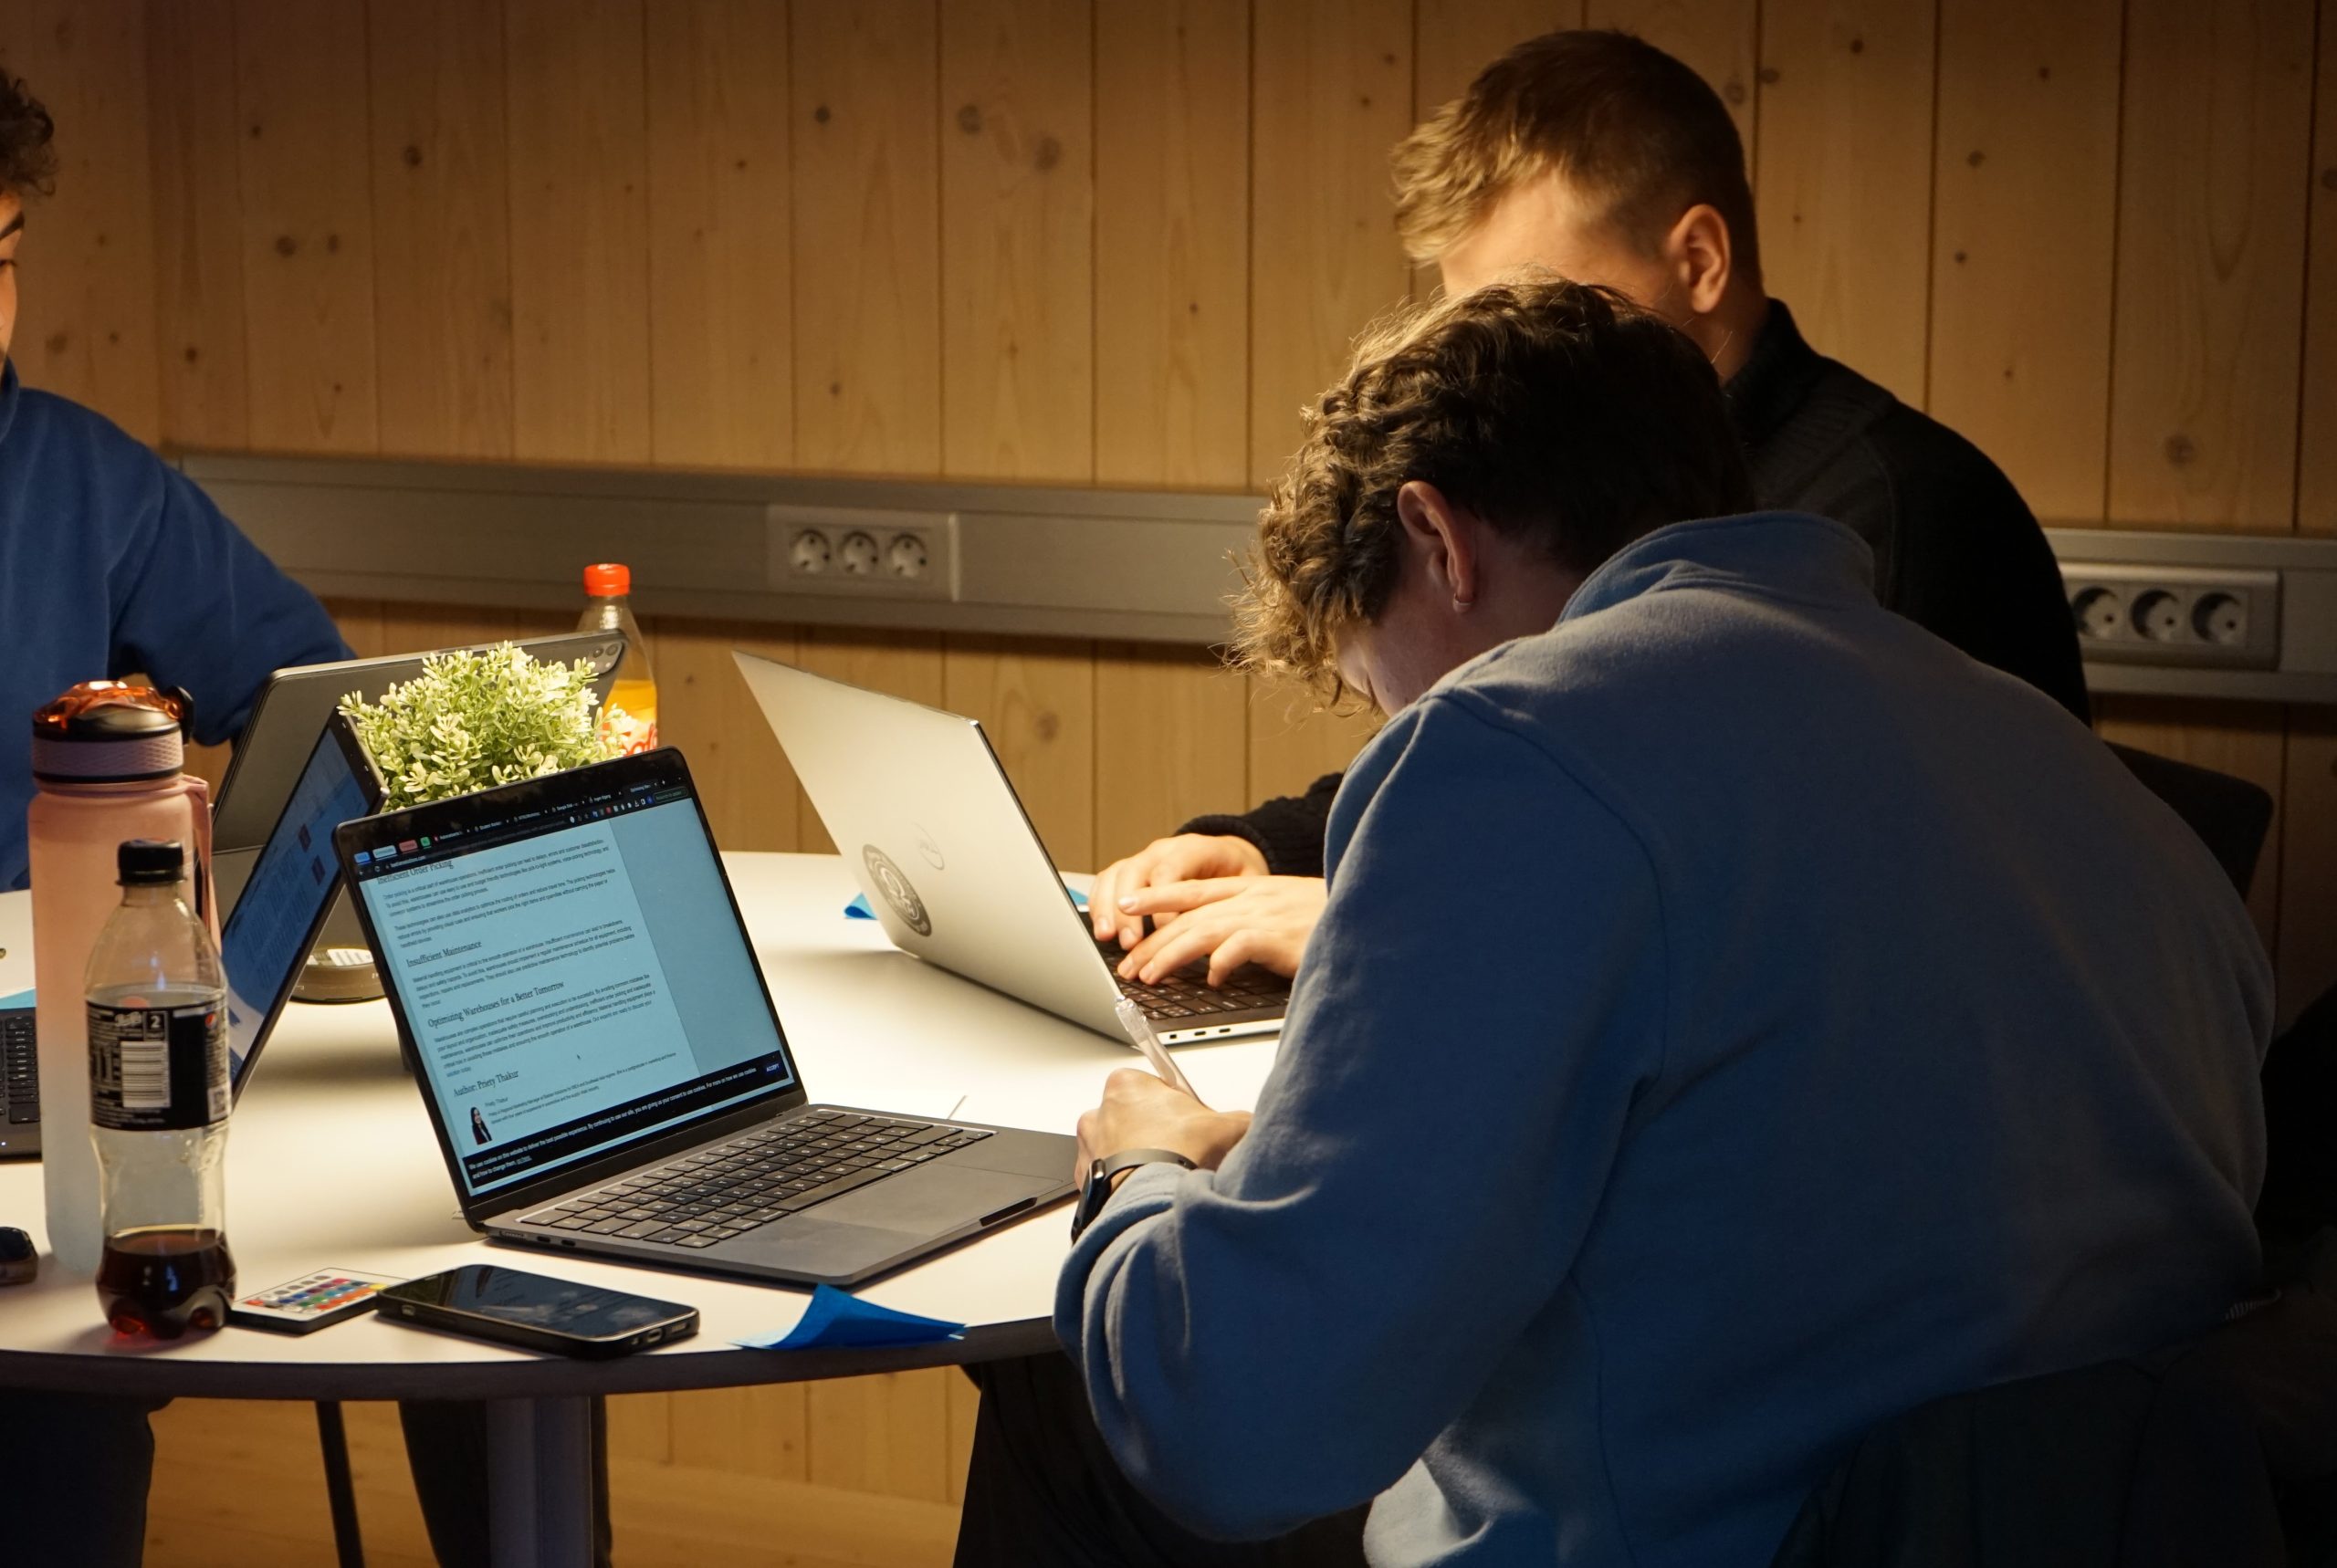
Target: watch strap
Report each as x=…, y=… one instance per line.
x=1096, y=1190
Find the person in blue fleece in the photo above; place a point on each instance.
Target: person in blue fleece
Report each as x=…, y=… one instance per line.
x=111, y=561
x=1876, y=1035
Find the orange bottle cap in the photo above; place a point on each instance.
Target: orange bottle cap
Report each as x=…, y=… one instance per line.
x=607, y=578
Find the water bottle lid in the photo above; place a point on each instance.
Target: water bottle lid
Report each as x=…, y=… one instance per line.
x=605, y=579
x=150, y=863
x=110, y=732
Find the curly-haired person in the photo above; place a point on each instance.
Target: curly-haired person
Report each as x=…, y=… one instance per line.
x=1848, y=1065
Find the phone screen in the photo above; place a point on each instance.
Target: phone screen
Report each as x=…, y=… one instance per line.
x=533, y=1300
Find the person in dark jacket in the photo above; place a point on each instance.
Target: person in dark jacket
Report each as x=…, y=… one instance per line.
x=1599, y=156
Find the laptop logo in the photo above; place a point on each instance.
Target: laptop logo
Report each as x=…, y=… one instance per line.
x=897, y=890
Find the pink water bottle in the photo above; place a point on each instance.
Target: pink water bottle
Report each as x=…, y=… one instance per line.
x=107, y=760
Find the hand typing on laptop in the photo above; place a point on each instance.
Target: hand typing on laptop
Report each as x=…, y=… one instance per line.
x=1229, y=921
x=1210, y=897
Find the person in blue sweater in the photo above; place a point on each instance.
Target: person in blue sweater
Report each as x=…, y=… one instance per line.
x=1879, y=1035
x=111, y=561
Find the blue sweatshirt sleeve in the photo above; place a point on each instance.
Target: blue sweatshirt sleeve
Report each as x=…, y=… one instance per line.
x=1280, y=1339
x=197, y=605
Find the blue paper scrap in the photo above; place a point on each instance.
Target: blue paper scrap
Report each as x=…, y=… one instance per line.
x=837, y=1320
x=858, y=908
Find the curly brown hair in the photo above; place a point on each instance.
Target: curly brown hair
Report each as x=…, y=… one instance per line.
x=1549, y=408
x=28, y=153
x=1624, y=123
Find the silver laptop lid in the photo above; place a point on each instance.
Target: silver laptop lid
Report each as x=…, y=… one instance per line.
x=923, y=813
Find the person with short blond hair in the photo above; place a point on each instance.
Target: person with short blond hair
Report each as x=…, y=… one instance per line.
x=1877, y=1035
x=1599, y=156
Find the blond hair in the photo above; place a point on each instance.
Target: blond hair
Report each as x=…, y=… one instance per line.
x=1631, y=128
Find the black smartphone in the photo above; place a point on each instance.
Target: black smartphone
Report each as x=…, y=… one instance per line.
x=534, y=1312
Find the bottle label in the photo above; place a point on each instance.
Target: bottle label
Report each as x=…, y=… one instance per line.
x=158, y=1069
x=625, y=733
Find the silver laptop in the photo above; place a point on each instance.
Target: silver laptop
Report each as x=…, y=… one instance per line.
x=600, y=1059
x=917, y=802
x=291, y=712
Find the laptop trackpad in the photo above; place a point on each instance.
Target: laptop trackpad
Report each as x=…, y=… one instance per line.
x=930, y=1200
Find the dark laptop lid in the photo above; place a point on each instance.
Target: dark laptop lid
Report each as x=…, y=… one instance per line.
x=568, y=963
x=289, y=892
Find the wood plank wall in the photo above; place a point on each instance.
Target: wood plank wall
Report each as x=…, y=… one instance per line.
x=1095, y=242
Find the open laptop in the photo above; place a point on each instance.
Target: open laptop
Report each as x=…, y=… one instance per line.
x=19, y=1060
x=916, y=800
x=602, y=1063
x=291, y=889
x=290, y=712
x=262, y=947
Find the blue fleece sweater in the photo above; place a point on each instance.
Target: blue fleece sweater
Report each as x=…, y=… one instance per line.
x=112, y=563
x=1712, y=1045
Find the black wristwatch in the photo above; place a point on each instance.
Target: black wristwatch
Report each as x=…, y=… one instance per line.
x=1096, y=1190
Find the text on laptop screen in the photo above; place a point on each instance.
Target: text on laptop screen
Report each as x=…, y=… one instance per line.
x=267, y=936
x=574, y=977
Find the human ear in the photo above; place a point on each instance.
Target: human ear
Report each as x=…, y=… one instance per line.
x=1699, y=254
x=1435, y=532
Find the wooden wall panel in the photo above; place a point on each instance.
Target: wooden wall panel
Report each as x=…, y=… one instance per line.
x=1171, y=744
x=2210, y=276
x=2020, y=331
x=721, y=368
x=1453, y=41
x=1037, y=701
x=1294, y=741
x=1016, y=255
x=2317, y=466
x=579, y=272
x=195, y=136
x=867, y=245
x=301, y=89
x=703, y=706
x=1720, y=39
x=1172, y=234
x=1845, y=178
x=442, y=227
x=86, y=323
x=1331, y=93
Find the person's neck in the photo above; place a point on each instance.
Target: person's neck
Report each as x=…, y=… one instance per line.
x=1729, y=332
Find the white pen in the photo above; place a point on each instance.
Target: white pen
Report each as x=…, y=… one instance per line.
x=1139, y=1030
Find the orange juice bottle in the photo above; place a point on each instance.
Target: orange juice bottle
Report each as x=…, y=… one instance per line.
x=628, y=720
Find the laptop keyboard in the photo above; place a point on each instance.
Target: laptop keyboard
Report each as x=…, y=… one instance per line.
x=1187, y=993
x=19, y=1067
x=769, y=1173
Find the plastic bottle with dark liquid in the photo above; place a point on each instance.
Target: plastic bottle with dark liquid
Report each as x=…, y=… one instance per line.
x=158, y=1104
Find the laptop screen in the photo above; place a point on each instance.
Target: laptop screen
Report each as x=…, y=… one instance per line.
x=267, y=935
x=570, y=966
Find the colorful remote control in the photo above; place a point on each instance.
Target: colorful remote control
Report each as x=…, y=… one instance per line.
x=309, y=1302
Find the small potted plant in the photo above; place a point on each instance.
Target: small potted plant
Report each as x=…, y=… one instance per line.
x=474, y=720
x=469, y=721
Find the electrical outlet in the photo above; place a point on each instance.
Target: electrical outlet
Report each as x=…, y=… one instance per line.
x=2175, y=615
x=864, y=553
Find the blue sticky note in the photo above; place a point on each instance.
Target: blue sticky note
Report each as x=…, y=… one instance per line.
x=17, y=999
x=858, y=908
x=839, y=1320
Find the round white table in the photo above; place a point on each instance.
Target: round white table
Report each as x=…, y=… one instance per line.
x=331, y=1163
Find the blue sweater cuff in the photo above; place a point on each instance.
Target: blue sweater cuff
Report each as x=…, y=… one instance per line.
x=1146, y=1190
